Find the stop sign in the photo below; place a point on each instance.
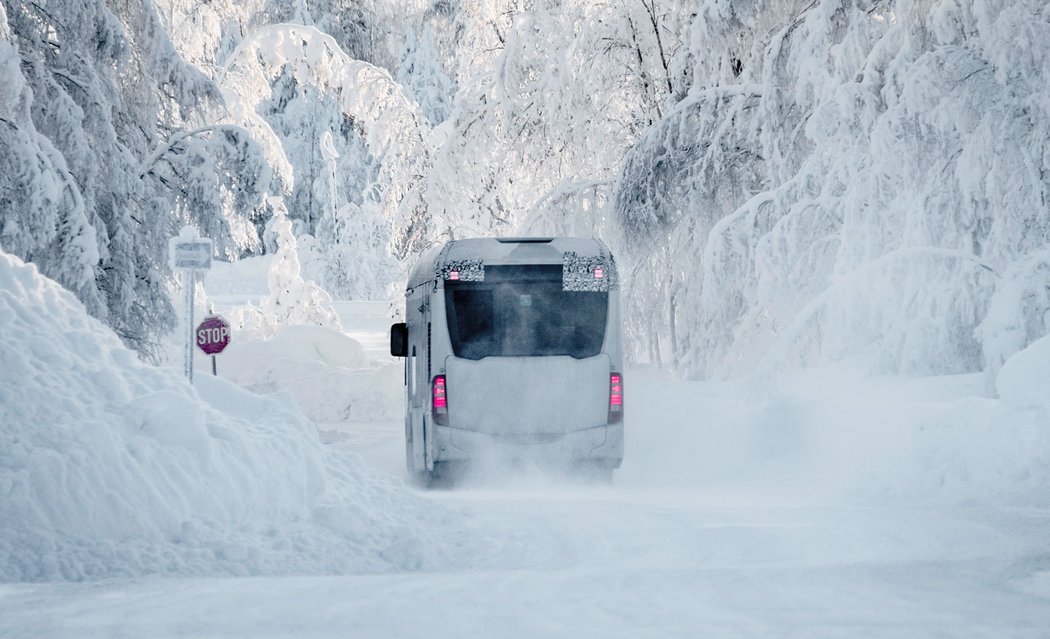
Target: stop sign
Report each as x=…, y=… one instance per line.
x=213, y=335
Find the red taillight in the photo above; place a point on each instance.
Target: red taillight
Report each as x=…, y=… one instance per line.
x=439, y=400
x=615, y=398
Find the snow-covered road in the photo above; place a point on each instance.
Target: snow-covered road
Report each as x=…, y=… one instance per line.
x=607, y=562
x=659, y=553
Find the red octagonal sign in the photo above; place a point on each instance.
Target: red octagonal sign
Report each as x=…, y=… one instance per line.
x=213, y=335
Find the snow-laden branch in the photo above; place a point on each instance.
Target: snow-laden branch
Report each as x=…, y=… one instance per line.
x=366, y=92
x=398, y=135
x=541, y=216
x=786, y=337
x=163, y=149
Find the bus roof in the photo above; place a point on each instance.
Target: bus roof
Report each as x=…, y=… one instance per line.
x=511, y=250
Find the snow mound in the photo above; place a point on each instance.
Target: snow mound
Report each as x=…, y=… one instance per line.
x=1025, y=378
x=835, y=434
x=325, y=371
x=109, y=467
x=303, y=343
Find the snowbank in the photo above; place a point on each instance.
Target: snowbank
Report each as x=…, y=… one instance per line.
x=326, y=372
x=1024, y=379
x=109, y=467
x=835, y=434
x=333, y=377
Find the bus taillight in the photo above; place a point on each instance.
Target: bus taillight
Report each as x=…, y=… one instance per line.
x=615, y=398
x=439, y=401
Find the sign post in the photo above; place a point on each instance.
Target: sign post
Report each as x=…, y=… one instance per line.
x=213, y=335
x=189, y=255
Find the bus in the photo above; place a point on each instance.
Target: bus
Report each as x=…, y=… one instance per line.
x=513, y=351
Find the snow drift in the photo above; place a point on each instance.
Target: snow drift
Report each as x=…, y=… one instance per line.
x=839, y=435
x=325, y=371
x=109, y=467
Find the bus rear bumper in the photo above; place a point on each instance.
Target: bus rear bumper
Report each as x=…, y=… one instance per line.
x=602, y=444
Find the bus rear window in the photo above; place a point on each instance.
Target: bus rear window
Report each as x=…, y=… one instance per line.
x=522, y=311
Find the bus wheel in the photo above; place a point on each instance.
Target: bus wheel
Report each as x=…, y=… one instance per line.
x=419, y=478
x=427, y=479
x=444, y=475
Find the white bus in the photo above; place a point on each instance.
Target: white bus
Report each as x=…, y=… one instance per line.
x=513, y=352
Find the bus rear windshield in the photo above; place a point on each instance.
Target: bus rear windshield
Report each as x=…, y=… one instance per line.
x=522, y=311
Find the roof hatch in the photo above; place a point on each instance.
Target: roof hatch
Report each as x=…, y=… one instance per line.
x=524, y=240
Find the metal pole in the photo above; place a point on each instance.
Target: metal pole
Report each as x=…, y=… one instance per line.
x=213, y=365
x=191, y=284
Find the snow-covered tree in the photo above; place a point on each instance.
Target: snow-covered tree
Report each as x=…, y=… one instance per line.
x=43, y=217
x=543, y=119
x=783, y=182
x=123, y=153
x=217, y=176
x=1018, y=312
x=868, y=172
x=293, y=300
x=422, y=76
x=279, y=64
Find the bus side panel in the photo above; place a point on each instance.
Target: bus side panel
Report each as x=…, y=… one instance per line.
x=613, y=346
x=417, y=388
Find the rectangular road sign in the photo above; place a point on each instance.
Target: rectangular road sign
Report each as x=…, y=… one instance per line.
x=191, y=254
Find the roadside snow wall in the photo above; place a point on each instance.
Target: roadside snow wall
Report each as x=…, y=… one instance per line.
x=837, y=434
x=109, y=467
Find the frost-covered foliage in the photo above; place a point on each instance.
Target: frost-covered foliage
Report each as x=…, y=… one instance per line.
x=113, y=137
x=311, y=73
x=101, y=159
x=372, y=31
x=423, y=77
x=385, y=126
x=322, y=103
x=785, y=181
x=293, y=300
x=219, y=176
x=545, y=115
x=42, y=214
x=842, y=180
x=1019, y=311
